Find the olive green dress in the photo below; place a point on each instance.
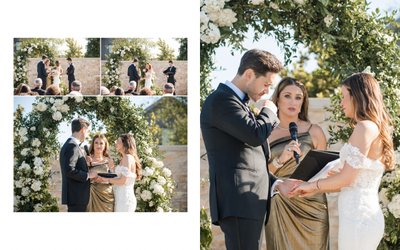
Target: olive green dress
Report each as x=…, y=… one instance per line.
x=296, y=223
x=101, y=195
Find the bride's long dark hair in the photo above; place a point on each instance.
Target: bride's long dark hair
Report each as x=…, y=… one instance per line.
x=129, y=144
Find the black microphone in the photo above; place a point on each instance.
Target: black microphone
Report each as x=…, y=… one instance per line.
x=86, y=150
x=293, y=135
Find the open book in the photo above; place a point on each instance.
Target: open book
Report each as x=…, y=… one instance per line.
x=315, y=162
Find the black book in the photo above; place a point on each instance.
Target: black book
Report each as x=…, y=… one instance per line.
x=312, y=163
x=107, y=175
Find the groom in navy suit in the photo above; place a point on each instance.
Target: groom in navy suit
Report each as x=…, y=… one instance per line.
x=238, y=151
x=74, y=170
x=133, y=73
x=41, y=72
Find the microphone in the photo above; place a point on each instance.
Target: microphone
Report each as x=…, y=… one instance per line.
x=293, y=135
x=86, y=150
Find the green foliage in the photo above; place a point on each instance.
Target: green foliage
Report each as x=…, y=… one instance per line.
x=74, y=49
x=166, y=52
x=93, y=47
x=171, y=114
x=182, y=49
x=40, y=128
x=205, y=230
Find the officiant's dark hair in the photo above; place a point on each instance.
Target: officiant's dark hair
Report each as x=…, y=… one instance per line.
x=303, y=115
x=129, y=144
x=260, y=61
x=78, y=124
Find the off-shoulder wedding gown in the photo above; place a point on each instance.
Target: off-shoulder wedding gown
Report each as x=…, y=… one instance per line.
x=124, y=195
x=361, y=221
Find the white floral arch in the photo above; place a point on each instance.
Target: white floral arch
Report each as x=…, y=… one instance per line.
x=35, y=143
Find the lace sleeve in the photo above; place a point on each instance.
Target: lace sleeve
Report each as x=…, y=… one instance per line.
x=354, y=158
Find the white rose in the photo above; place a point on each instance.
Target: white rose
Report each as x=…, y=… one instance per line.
x=161, y=180
x=57, y=116
x=36, y=142
x=328, y=20
x=36, y=185
x=18, y=184
x=64, y=108
x=394, y=206
x=25, y=151
x=25, y=191
x=383, y=198
x=112, y=109
x=211, y=34
x=33, y=129
x=22, y=131
x=36, y=152
x=158, y=189
x=99, y=98
x=273, y=6
x=146, y=195
x=38, y=162
x=54, y=109
x=224, y=18
x=58, y=102
x=38, y=207
x=148, y=151
x=160, y=209
x=65, y=98
x=78, y=98
x=41, y=107
x=151, y=203
x=300, y=2
x=203, y=17
x=51, y=100
x=256, y=2
x=38, y=170
x=148, y=171
x=166, y=172
x=25, y=166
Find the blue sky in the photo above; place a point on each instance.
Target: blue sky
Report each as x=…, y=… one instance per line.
x=64, y=127
x=229, y=63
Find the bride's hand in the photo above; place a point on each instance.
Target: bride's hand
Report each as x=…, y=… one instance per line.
x=305, y=189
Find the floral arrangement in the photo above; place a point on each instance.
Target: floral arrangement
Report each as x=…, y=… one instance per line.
x=389, y=197
x=35, y=143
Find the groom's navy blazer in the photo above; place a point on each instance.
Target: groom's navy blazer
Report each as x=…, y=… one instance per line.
x=234, y=138
x=74, y=171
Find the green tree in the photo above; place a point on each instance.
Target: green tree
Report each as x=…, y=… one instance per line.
x=166, y=52
x=74, y=49
x=171, y=115
x=93, y=47
x=182, y=49
x=319, y=83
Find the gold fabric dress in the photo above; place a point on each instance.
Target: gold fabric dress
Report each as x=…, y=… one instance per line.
x=296, y=223
x=101, y=195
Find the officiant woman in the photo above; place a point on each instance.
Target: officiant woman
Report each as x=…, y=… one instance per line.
x=295, y=223
x=101, y=194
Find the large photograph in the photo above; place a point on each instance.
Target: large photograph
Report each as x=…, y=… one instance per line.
x=100, y=154
x=300, y=125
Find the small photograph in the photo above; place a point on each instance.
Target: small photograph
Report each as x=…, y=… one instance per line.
x=140, y=66
x=56, y=66
x=100, y=154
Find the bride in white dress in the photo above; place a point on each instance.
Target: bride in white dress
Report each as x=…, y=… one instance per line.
x=363, y=160
x=128, y=170
x=148, y=76
x=56, y=73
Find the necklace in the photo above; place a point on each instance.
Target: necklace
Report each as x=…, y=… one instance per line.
x=282, y=128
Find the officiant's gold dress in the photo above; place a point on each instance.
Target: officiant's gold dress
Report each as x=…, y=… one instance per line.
x=101, y=195
x=296, y=223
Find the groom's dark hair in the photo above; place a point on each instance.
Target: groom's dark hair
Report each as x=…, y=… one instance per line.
x=260, y=61
x=69, y=59
x=78, y=124
x=44, y=57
